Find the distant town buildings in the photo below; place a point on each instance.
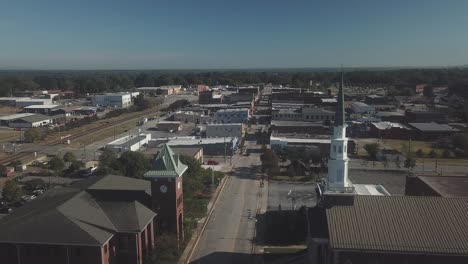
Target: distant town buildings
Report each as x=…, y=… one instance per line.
x=119, y=100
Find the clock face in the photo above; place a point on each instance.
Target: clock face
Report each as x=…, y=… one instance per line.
x=163, y=188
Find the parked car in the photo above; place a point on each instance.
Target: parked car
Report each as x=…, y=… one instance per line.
x=5, y=210
x=212, y=162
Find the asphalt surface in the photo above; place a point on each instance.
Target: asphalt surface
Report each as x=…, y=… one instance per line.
x=231, y=228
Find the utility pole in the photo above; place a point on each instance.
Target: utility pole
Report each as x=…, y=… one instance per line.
x=224, y=150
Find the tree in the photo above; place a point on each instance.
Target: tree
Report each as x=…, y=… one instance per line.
x=12, y=192
x=75, y=165
x=419, y=153
x=446, y=154
x=432, y=154
x=34, y=184
x=69, y=157
x=269, y=159
x=141, y=103
x=372, y=150
x=428, y=91
x=32, y=134
x=410, y=162
x=193, y=176
x=133, y=164
x=56, y=164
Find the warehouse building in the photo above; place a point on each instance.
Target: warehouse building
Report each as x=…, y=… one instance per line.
x=5, y=120
x=41, y=109
x=119, y=100
x=129, y=143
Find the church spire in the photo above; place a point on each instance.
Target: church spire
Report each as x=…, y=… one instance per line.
x=340, y=113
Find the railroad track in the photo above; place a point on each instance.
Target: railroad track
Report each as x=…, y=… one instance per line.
x=21, y=155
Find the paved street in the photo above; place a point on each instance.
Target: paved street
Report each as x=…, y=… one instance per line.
x=231, y=228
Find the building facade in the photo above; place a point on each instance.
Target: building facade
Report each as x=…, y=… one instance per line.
x=225, y=130
x=120, y=100
x=240, y=115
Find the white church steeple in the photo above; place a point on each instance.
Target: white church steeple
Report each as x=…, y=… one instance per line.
x=338, y=160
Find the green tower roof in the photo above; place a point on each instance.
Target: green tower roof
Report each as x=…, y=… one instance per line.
x=166, y=164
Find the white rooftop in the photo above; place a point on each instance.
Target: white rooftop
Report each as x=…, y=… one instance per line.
x=301, y=140
x=41, y=106
x=370, y=189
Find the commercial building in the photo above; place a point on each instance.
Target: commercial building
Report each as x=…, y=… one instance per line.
x=302, y=142
x=5, y=120
x=443, y=186
x=162, y=90
x=389, y=130
x=106, y=220
x=225, y=130
x=362, y=108
x=211, y=146
x=120, y=100
x=193, y=152
x=187, y=116
x=41, y=109
x=240, y=115
x=305, y=114
x=298, y=127
x=31, y=121
x=414, y=116
x=170, y=126
x=129, y=143
x=20, y=103
x=429, y=131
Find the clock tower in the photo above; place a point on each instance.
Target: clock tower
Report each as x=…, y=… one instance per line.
x=166, y=190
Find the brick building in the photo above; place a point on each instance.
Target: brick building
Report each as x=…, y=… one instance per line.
x=100, y=221
x=166, y=187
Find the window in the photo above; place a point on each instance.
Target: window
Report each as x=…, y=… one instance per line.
x=340, y=150
x=334, y=148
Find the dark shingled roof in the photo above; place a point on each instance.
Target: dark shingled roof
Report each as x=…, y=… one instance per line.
x=73, y=216
x=435, y=225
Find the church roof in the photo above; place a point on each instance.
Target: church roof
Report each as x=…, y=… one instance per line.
x=340, y=112
x=166, y=164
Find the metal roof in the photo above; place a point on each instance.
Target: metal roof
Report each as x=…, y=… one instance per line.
x=435, y=225
x=433, y=127
x=15, y=116
x=166, y=164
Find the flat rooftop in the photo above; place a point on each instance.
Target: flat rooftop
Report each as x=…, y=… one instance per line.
x=46, y=106
x=15, y=116
x=448, y=186
x=295, y=123
x=127, y=140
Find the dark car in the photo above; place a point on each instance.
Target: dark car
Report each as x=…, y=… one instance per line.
x=212, y=162
x=5, y=210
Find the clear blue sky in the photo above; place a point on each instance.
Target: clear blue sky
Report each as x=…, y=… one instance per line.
x=152, y=34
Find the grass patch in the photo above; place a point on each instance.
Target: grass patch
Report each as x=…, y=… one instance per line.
x=402, y=145
x=8, y=135
x=107, y=133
